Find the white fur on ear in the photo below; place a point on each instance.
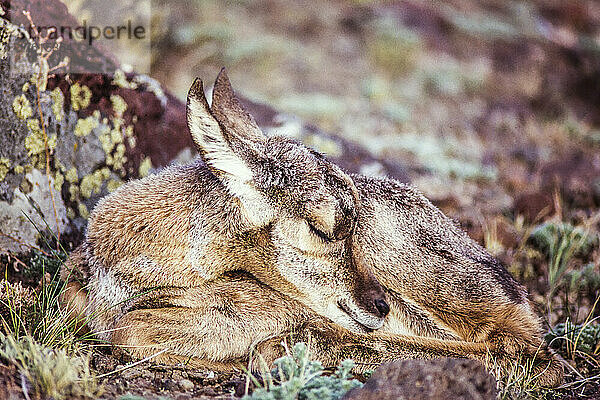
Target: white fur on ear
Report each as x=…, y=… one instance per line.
x=209, y=138
x=231, y=169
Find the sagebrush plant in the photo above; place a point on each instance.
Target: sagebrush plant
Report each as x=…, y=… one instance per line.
x=296, y=377
x=570, y=338
x=566, y=250
x=518, y=379
x=583, y=279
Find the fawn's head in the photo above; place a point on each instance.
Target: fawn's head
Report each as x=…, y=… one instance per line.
x=306, y=204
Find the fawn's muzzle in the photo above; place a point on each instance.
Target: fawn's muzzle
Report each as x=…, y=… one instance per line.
x=371, y=298
x=368, y=305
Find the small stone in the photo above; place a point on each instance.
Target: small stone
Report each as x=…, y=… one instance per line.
x=146, y=374
x=186, y=384
x=120, y=386
x=208, y=391
x=200, y=374
x=166, y=384
x=131, y=373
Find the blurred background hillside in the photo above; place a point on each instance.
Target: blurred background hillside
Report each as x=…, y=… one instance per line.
x=480, y=101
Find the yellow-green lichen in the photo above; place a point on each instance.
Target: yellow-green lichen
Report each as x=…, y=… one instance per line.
x=18, y=169
x=85, y=125
x=3, y=51
x=5, y=34
x=71, y=213
x=36, y=145
x=33, y=125
x=120, y=80
x=105, y=141
x=92, y=183
x=80, y=96
x=132, y=142
x=25, y=87
x=22, y=107
x=58, y=101
x=104, y=173
x=116, y=137
x=74, y=192
x=113, y=185
x=83, y=210
x=145, y=167
x=117, y=122
x=109, y=139
x=118, y=104
x=71, y=175
x=129, y=131
x=118, y=159
x=89, y=185
x=4, y=167
x=59, y=179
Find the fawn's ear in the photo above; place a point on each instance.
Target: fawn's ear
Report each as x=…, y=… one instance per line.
x=239, y=126
x=210, y=139
x=229, y=141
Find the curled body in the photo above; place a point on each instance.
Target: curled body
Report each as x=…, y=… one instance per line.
x=261, y=238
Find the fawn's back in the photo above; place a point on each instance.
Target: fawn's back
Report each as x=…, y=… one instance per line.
x=442, y=283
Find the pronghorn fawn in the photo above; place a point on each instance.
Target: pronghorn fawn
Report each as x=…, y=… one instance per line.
x=262, y=237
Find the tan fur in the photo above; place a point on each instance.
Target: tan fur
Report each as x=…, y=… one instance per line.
x=262, y=238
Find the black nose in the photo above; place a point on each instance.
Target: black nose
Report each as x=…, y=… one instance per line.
x=382, y=307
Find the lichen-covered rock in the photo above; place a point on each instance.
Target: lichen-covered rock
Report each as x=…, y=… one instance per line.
x=32, y=208
x=63, y=149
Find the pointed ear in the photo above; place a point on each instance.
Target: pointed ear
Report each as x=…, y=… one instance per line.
x=237, y=123
x=226, y=153
x=210, y=140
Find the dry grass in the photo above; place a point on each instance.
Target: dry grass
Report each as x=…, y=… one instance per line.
x=48, y=348
x=49, y=373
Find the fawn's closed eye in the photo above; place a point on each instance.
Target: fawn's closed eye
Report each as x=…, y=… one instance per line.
x=322, y=235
